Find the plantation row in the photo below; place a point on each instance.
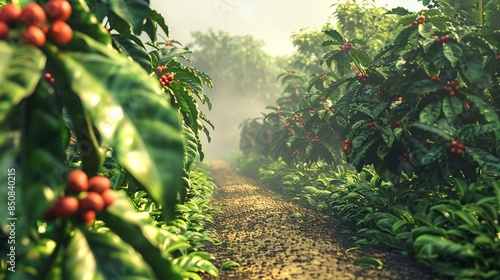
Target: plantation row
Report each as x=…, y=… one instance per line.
x=395, y=129
x=99, y=133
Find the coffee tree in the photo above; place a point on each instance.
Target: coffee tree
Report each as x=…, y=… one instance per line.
x=94, y=125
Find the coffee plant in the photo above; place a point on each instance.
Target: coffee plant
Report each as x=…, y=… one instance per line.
x=100, y=131
x=416, y=114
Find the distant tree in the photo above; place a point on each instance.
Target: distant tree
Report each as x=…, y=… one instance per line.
x=237, y=64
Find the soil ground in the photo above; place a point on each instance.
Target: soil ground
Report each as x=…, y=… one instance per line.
x=275, y=239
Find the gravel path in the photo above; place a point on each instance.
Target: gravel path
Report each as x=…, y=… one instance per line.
x=275, y=239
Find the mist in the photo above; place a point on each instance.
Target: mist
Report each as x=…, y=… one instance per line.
x=227, y=114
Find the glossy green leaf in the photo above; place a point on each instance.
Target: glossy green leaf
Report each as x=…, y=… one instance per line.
x=131, y=11
x=83, y=20
x=158, y=19
x=486, y=110
x=430, y=114
x=135, y=229
x=113, y=257
x=20, y=71
x=197, y=262
x=452, y=107
x=387, y=135
x=79, y=263
x=360, y=58
x=227, y=265
x=335, y=35
x=472, y=132
x=452, y=52
x=424, y=86
x=191, y=144
x=433, y=129
x=487, y=161
x=433, y=155
x=369, y=262
x=136, y=52
x=425, y=29
x=471, y=68
x=468, y=218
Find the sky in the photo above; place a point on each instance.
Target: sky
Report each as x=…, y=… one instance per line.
x=272, y=21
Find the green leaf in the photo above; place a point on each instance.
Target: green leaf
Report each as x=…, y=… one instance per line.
x=433, y=129
x=191, y=144
x=430, y=114
x=452, y=52
x=425, y=29
x=486, y=110
x=95, y=255
x=471, y=68
x=487, y=161
x=452, y=107
x=360, y=58
x=402, y=39
x=83, y=20
x=227, y=265
x=133, y=50
x=471, y=132
x=369, y=262
x=468, y=218
x=135, y=229
x=132, y=116
x=131, y=11
x=197, y=262
x=158, y=19
x=20, y=71
x=433, y=155
x=335, y=35
x=398, y=11
x=424, y=86
x=387, y=135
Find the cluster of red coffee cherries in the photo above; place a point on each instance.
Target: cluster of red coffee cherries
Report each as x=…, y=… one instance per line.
x=362, y=77
x=346, y=47
x=346, y=148
x=315, y=139
x=435, y=78
x=166, y=79
x=418, y=21
x=394, y=125
x=456, y=147
x=85, y=197
x=48, y=76
x=452, y=87
x=444, y=39
x=36, y=29
x=372, y=125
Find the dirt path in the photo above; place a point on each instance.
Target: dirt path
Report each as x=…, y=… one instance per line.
x=274, y=239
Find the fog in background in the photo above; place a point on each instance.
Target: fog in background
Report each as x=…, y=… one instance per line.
x=272, y=21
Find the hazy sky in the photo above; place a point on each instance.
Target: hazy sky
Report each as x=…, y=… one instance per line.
x=272, y=21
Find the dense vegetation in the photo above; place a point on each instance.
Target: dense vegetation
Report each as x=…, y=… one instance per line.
x=393, y=128
x=80, y=99
x=396, y=130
